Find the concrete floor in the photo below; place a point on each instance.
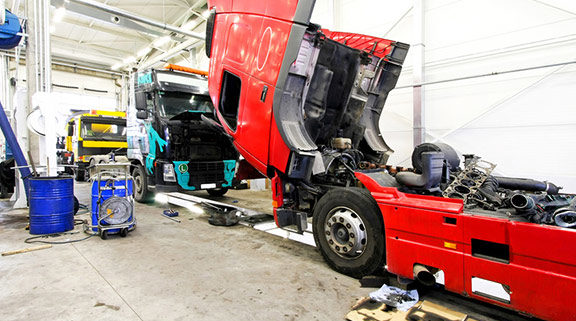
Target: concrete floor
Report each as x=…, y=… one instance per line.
x=173, y=271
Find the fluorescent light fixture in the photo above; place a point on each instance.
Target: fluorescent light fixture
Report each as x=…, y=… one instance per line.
x=143, y=52
x=161, y=41
x=59, y=14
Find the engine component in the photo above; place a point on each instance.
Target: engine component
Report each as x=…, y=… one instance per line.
x=522, y=202
x=565, y=218
x=341, y=143
x=450, y=156
x=432, y=166
x=525, y=184
x=466, y=185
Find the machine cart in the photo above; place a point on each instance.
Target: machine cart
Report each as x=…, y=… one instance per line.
x=112, y=200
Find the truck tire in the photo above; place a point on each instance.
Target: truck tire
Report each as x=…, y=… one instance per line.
x=141, y=193
x=217, y=192
x=349, y=231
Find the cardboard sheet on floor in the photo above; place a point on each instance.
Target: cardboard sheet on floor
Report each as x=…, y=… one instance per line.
x=369, y=310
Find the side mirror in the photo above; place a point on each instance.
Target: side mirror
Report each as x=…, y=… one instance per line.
x=140, y=100
x=142, y=114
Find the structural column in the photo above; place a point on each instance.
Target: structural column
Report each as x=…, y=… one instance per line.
x=418, y=49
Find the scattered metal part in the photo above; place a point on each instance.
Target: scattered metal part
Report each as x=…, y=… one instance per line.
x=171, y=218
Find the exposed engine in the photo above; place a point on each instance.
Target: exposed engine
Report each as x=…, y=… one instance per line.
x=437, y=172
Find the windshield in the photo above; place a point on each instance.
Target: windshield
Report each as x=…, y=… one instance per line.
x=103, y=131
x=174, y=103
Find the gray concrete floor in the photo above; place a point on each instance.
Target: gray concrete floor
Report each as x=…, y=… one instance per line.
x=171, y=271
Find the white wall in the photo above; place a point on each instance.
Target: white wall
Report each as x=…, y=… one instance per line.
x=523, y=121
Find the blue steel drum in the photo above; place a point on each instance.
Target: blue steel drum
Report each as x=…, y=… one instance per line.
x=107, y=193
x=51, y=204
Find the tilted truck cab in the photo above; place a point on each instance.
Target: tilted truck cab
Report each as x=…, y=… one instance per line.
x=173, y=142
x=302, y=105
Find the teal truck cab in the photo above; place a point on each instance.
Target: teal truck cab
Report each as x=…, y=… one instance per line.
x=174, y=142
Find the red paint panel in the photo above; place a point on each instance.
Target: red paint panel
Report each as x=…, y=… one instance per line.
x=422, y=222
x=254, y=122
x=545, y=243
x=279, y=152
x=536, y=292
x=485, y=228
x=377, y=46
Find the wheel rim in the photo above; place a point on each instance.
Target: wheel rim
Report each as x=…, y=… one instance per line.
x=345, y=232
x=138, y=183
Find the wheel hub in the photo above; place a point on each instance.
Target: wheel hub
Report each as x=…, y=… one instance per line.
x=345, y=232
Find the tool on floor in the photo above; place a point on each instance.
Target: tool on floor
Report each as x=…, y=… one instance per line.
x=170, y=214
x=28, y=249
x=112, y=200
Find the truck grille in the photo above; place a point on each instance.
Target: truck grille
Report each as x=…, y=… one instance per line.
x=205, y=172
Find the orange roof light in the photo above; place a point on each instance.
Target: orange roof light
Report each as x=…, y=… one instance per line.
x=187, y=69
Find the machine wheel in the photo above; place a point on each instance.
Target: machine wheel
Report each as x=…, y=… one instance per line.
x=349, y=231
x=104, y=235
x=218, y=191
x=124, y=232
x=80, y=174
x=141, y=193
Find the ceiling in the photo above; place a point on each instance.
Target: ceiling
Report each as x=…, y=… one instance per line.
x=89, y=36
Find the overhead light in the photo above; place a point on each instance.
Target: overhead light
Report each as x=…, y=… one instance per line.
x=59, y=14
x=129, y=60
x=161, y=41
x=143, y=52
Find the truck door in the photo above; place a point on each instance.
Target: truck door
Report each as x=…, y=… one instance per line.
x=248, y=43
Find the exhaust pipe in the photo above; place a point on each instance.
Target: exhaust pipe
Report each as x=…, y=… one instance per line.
x=423, y=275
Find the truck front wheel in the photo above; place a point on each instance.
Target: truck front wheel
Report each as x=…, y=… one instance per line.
x=349, y=232
x=141, y=193
x=217, y=192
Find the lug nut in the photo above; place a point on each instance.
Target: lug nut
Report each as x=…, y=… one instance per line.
x=352, y=235
x=329, y=224
x=337, y=248
x=348, y=225
x=333, y=219
x=345, y=249
x=341, y=220
x=351, y=244
x=327, y=232
x=331, y=242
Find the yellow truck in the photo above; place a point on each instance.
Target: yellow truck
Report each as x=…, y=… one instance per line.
x=92, y=135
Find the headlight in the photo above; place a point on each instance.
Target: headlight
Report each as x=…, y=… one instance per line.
x=169, y=175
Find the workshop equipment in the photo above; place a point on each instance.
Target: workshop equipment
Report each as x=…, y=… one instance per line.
x=112, y=200
x=51, y=205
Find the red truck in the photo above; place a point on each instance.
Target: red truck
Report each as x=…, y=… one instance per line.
x=302, y=106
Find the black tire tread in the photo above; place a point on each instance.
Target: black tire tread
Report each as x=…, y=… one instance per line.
x=364, y=204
